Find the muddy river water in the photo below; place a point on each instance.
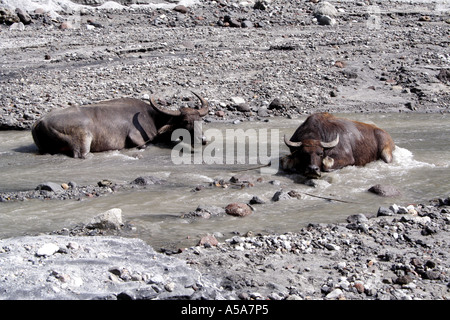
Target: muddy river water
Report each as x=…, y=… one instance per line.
x=420, y=170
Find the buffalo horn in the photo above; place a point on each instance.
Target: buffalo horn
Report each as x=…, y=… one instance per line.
x=165, y=128
x=330, y=144
x=289, y=143
x=173, y=113
x=204, y=110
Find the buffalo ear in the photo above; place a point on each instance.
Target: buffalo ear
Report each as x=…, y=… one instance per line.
x=330, y=144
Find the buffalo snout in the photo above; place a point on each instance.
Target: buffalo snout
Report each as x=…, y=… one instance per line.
x=312, y=172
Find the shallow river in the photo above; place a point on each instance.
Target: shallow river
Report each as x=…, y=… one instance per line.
x=420, y=170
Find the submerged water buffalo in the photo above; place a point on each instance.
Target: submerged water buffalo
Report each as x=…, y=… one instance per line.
x=112, y=125
x=325, y=143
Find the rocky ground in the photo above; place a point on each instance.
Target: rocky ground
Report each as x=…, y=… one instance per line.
x=397, y=253
x=251, y=62
x=374, y=57
x=379, y=256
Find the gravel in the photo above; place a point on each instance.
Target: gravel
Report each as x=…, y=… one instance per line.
x=398, y=63
x=404, y=256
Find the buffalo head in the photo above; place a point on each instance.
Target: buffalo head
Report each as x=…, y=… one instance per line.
x=309, y=156
x=185, y=118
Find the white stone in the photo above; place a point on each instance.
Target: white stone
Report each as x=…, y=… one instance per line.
x=170, y=286
x=237, y=100
x=111, y=219
x=325, y=9
x=394, y=208
x=335, y=294
x=47, y=249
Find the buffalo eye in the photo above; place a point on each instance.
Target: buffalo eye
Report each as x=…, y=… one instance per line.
x=320, y=153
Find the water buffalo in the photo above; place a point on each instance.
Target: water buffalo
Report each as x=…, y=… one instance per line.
x=112, y=125
x=325, y=143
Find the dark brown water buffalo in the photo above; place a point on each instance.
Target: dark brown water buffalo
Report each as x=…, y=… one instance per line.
x=325, y=143
x=113, y=125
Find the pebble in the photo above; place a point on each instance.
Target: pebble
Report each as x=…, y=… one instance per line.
x=169, y=286
x=359, y=286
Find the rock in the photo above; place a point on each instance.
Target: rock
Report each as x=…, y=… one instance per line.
x=325, y=9
x=326, y=21
x=105, y=183
x=410, y=105
x=7, y=17
x=111, y=219
x=208, y=241
x=220, y=113
x=170, y=286
x=340, y=64
x=382, y=211
x=181, y=9
x=242, y=179
x=444, y=76
x=259, y=5
x=18, y=26
x=425, y=18
x=66, y=25
x=359, y=286
x=23, y=16
x=237, y=100
x=205, y=212
x=256, y=200
x=262, y=112
x=50, y=186
x=238, y=209
x=247, y=24
x=335, y=294
x=47, y=249
x=231, y=22
x=403, y=280
x=146, y=180
x=357, y=218
x=276, y=104
x=281, y=195
x=432, y=275
x=243, y=107
x=385, y=190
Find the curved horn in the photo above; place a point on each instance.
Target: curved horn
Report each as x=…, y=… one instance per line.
x=330, y=144
x=292, y=144
x=204, y=110
x=165, y=129
x=173, y=113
